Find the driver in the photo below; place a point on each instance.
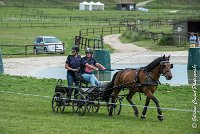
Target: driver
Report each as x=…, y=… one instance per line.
x=88, y=65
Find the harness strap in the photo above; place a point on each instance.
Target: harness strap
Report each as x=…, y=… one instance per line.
x=137, y=73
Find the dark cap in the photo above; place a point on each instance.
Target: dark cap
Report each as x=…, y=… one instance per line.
x=75, y=48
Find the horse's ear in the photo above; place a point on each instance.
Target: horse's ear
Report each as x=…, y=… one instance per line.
x=164, y=57
x=167, y=58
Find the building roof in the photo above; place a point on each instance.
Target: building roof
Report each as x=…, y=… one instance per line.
x=125, y=2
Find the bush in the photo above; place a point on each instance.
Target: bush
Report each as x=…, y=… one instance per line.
x=132, y=37
x=166, y=41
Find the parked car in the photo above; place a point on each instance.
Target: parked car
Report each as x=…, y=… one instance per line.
x=48, y=44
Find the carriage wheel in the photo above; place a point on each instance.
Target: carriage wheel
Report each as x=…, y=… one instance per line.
x=79, y=105
x=94, y=108
x=58, y=104
x=117, y=107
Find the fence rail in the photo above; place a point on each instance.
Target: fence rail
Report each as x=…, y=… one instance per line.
x=155, y=36
x=103, y=30
x=26, y=49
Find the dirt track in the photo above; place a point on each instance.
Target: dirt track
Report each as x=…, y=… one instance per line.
x=124, y=53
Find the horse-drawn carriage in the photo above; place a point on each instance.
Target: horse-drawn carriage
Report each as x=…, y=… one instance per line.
x=143, y=80
x=88, y=98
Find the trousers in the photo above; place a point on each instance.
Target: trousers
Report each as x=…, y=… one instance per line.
x=91, y=79
x=71, y=80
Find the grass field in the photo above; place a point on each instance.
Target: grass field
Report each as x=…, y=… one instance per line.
x=25, y=102
x=23, y=113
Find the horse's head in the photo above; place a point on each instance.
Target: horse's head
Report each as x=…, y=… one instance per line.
x=165, y=68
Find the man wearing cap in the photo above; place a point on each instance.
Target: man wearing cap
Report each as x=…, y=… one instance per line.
x=88, y=65
x=72, y=64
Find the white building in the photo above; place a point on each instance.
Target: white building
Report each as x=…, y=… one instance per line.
x=91, y=6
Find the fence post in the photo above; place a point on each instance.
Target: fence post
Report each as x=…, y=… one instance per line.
x=101, y=41
x=88, y=43
x=1, y=63
x=87, y=32
x=26, y=50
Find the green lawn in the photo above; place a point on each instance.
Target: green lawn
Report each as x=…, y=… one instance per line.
x=23, y=114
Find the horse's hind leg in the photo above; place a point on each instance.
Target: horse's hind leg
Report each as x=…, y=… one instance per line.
x=113, y=98
x=129, y=99
x=145, y=108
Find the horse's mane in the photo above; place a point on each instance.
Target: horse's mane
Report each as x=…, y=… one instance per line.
x=155, y=63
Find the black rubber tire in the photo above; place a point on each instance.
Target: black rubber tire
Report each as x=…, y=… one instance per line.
x=79, y=105
x=93, y=108
x=58, y=104
x=117, y=108
x=45, y=50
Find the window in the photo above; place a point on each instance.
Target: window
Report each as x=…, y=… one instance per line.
x=39, y=40
x=51, y=40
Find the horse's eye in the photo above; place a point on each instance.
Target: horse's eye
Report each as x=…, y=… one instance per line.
x=171, y=66
x=163, y=66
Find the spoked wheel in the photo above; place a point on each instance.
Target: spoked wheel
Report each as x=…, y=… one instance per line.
x=79, y=105
x=58, y=104
x=117, y=107
x=94, y=108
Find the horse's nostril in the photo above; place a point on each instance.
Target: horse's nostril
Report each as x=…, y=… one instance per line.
x=169, y=77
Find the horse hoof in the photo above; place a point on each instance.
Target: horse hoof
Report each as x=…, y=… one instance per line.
x=143, y=116
x=160, y=117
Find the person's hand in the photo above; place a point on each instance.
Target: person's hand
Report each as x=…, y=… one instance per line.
x=104, y=68
x=96, y=69
x=75, y=70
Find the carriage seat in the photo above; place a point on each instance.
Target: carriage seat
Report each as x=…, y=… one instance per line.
x=103, y=88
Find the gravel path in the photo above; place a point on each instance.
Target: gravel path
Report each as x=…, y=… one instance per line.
x=130, y=53
x=124, y=53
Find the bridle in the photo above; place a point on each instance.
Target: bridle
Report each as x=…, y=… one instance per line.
x=164, y=72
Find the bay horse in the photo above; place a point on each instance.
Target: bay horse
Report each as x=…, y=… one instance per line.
x=144, y=80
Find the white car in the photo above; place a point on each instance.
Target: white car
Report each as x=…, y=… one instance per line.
x=48, y=44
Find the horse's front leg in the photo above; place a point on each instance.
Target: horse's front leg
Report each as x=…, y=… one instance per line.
x=150, y=95
x=160, y=115
x=129, y=99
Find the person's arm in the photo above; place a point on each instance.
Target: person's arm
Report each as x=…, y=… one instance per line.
x=69, y=68
x=91, y=67
x=67, y=64
x=100, y=66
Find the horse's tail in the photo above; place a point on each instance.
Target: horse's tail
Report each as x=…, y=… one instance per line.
x=109, y=88
x=111, y=84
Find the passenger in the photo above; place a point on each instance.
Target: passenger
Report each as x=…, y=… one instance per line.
x=72, y=64
x=193, y=40
x=88, y=65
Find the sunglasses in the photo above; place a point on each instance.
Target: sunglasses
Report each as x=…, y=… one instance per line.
x=88, y=53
